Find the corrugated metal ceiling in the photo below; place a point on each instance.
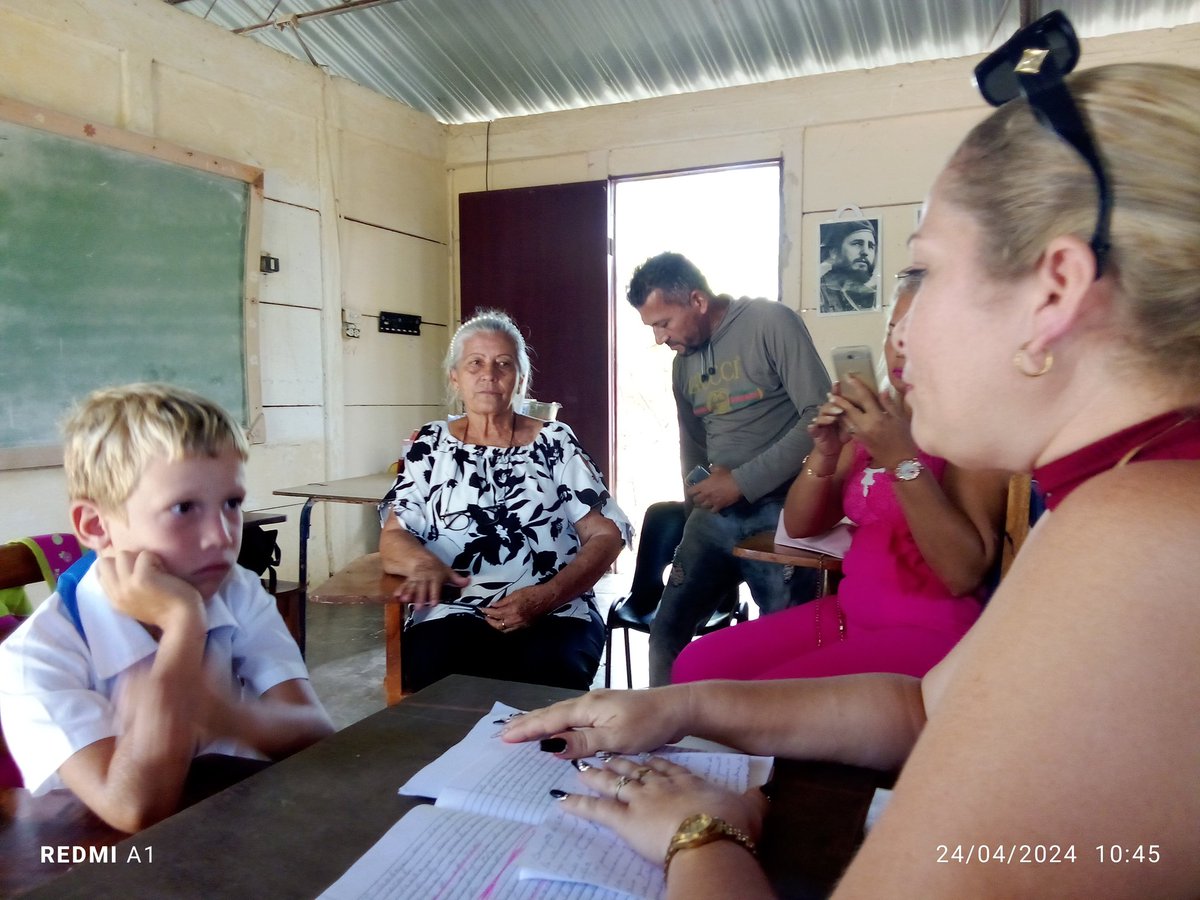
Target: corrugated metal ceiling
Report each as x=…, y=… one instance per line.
x=478, y=60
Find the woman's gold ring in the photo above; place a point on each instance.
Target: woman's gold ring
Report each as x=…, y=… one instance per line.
x=621, y=782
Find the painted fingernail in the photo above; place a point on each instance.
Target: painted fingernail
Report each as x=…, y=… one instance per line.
x=558, y=794
x=605, y=754
x=581, y=764
x=553, y=745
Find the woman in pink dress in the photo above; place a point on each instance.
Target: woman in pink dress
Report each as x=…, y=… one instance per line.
x=927, y=535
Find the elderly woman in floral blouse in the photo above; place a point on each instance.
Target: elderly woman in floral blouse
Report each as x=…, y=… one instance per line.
x=501, y=525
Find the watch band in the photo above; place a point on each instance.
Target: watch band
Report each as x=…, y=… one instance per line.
x=700, y=829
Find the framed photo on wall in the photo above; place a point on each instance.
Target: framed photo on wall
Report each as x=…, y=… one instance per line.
x=849, y=268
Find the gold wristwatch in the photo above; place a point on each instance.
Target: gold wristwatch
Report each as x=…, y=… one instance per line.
x=700, y=829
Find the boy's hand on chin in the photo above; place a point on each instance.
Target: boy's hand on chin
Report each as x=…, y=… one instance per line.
x=138, y=585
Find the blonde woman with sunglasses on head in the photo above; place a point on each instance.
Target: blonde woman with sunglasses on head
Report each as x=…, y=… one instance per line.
x=1057, y=329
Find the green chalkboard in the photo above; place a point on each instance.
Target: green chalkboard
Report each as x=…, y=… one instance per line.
x=115, y=266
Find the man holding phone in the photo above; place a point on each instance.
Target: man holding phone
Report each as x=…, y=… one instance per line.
x=746, y=380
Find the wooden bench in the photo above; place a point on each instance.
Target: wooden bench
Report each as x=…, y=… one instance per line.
x=364, y=581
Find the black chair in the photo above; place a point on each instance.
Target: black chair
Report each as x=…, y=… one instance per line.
x=662, y=529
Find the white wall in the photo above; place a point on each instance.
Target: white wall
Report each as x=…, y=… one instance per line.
x=355, y=209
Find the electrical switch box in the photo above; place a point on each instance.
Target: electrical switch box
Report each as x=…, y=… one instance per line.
x=399, y=323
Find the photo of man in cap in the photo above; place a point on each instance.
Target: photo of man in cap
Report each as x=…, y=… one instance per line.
x=848, y=255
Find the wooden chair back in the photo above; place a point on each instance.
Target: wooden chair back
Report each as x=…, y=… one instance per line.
x=1016, y=524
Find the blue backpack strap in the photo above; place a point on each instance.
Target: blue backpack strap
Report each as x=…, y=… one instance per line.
x=68, y=582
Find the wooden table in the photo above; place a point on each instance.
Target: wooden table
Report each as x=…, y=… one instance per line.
x=293, y=829
x=32, y=826
x=363, y=489
x=762, y=547
x=29, y=823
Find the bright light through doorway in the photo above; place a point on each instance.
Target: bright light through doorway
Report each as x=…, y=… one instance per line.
x=726, y=221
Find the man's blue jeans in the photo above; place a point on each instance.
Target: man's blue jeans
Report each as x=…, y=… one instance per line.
x=705, y=567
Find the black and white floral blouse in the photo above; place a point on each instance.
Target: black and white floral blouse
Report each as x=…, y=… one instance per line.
x=502, y=516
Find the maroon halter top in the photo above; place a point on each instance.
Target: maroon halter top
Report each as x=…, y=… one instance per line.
x=1173, y=435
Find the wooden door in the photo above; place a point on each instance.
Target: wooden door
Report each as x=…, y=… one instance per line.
x=541, y=254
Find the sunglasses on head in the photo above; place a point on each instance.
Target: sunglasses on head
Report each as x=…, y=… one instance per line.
x=1032, y=63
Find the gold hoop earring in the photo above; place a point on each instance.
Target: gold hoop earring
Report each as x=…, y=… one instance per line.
x=1025, y=365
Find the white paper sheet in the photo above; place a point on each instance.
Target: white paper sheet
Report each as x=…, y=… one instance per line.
x=431, y=779
x=568, y=848
x=834, y=542
x=438, y=854
x=483, y=774
x=572, y=850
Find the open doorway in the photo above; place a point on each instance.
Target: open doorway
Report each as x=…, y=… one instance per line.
x=726, y=221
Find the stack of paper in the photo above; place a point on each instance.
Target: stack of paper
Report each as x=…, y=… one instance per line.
x=834, y=542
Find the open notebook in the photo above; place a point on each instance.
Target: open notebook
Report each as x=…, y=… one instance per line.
x=494, y=831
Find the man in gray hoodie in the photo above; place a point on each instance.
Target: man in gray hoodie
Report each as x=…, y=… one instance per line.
x=747, y=380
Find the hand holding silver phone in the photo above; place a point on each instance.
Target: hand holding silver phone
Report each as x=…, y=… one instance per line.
x=697, y=475
x=855, y=361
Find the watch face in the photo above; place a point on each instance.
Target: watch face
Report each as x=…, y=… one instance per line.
x=698, y=824
x=700, y=829
x=908, y=469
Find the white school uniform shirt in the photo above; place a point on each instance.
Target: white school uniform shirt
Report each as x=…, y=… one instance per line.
x=60, y=693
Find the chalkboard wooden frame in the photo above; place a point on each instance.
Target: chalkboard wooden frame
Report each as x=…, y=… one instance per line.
x=107, y=136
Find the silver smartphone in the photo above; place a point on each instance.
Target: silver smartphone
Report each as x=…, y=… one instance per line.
x=855, y=361
x=696, y=476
